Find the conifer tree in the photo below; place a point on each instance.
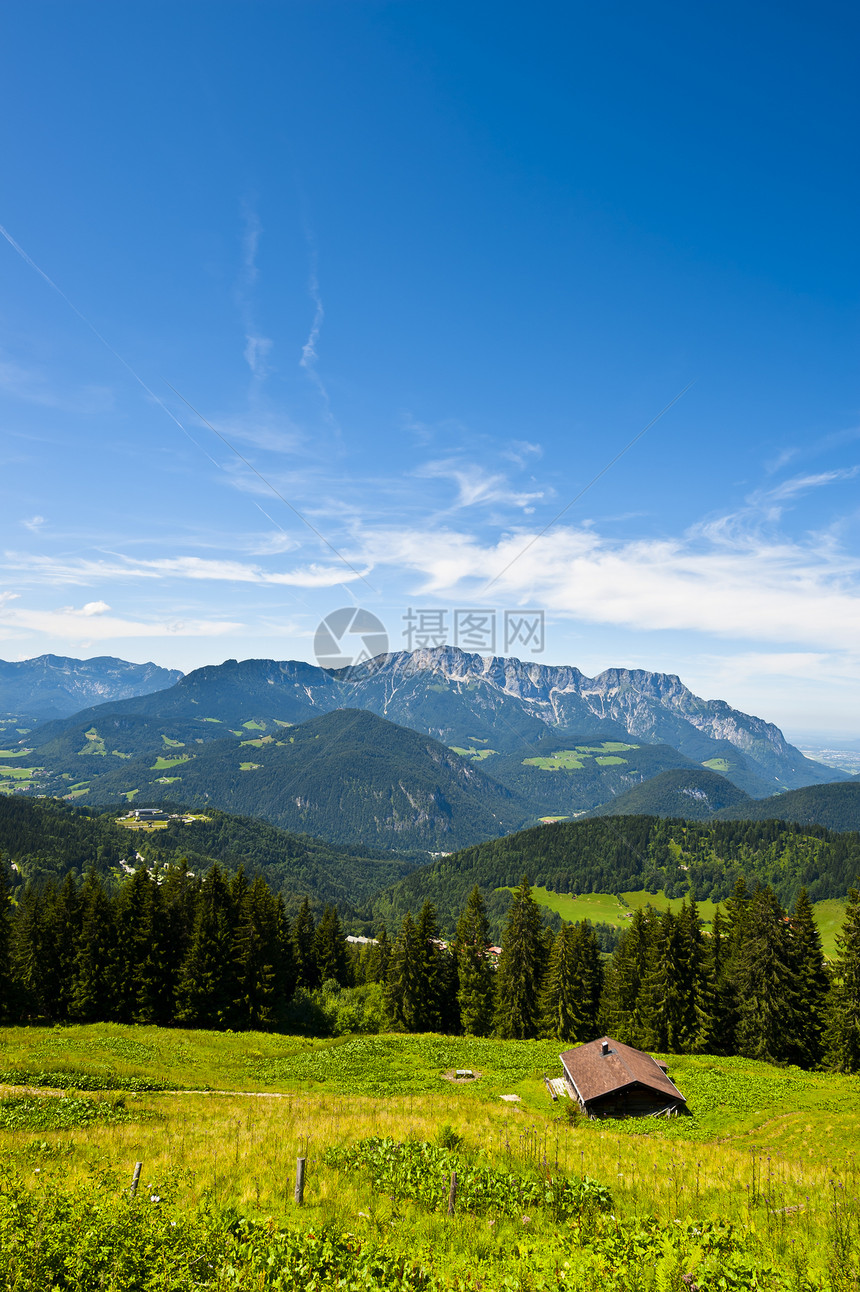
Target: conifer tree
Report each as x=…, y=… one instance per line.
x=561, y=1004
x=29, y=955
x=131, y=916
x=207, y=990
x=475, y=973
x=158, y=964
x=717, y=997
x=661, y=1003
x=379, y=954
x=620, y=1008
x=179, y=892
x=6, y=1003
x=307, y=974
x=330, y=948
x=520, y=971
x=430, y=984
x=256, y=954
x=842, y=1037
x=286, y=970
x=813, y=982
x=94, y=991
x=588, y=969
x=769, y=1022
x=403, y=984
x=64, y=931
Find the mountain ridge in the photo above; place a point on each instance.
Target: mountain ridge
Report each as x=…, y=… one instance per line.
x=456, y=697
x=58, y=686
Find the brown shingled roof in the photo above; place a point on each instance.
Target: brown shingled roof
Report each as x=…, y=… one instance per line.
x=596, y=1074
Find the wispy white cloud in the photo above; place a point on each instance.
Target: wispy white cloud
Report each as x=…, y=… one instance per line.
x=34, y=524
x=85, y=571
x=33, y=386
x=84, y=626
x=752, y=588
x=769, y=499
x=475, y=485
x=257, y=346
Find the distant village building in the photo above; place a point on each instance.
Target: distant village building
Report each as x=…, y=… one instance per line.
x=150, y=814
x=610, y=1079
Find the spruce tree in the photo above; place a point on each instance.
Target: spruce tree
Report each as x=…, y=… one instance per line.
x=475, y=973
x=330, y=948
x=661, y=1004
x=64, y=931
x=6, y=999
x=430, y=985
x=379, y=954
x=403, y=983
x=29, y=955
x=304, y=955
x=588, y=968
x=94, y=995
x=812, y=980
x=256, y=954
x=131, y=915
x=158, y=963
x=620, y=1007
x=206, y=990
x=520, y=971
x=769, y=1008
x=285, y=968
x=842, y=1036
x=561, y=1004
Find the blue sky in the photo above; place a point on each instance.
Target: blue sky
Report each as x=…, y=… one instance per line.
x=428, y=268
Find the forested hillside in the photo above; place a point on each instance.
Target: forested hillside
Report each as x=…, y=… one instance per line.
x=172, y=948
x=45, y=840
x=836, y=807
x=616, y=855
x=693, y=794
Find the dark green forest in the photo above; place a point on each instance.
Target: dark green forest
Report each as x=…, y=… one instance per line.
x=618, y=854
x=170, y=948
x=46, y=839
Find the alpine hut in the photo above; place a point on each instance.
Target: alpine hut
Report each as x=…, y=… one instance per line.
x=610, y=1079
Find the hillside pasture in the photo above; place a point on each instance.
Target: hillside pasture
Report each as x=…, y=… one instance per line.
x=609, y=908
x=766, y=1150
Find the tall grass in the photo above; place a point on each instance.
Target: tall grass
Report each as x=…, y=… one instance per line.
x=781, y=1168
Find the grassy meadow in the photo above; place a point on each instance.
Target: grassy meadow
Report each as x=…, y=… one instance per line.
x=607, y=908
x=767, y=1150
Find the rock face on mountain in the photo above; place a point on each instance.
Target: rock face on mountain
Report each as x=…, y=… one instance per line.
x=442, y=689
x=54, y=686
x=487, y=707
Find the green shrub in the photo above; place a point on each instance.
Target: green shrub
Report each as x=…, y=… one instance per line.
x=422, y=1172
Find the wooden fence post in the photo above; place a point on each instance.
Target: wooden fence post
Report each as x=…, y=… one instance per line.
x=300, y=1180
x=452, y=1196
x=135, y=1178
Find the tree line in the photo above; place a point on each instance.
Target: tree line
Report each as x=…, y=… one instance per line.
x=222, y=952
x=620, y=854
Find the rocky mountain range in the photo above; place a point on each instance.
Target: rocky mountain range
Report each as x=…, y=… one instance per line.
x=542, y=742
x=502, y=704
x=55, y=686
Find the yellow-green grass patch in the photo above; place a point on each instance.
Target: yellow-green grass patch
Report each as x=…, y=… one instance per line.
x=564, y=760
x=18, y=773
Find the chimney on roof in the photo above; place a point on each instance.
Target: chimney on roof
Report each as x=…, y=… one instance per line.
x=604, y=1047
